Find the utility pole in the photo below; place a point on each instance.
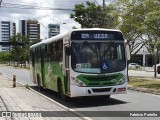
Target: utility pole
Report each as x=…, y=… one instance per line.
x=104, y=5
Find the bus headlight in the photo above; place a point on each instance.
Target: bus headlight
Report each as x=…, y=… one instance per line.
x=121, y=81
x=75, y=81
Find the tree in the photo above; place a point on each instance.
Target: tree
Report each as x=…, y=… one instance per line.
x=20, y=54
x=5, y=57
x=92, y=15
x=140, y=21
x=152, y=27
x=131, y=17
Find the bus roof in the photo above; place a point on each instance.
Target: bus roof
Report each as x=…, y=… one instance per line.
x=62, y=35
x=49, y=40
x=84, y=29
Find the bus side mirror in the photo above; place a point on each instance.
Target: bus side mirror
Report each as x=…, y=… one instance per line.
x=68, y=51
x=128, y=52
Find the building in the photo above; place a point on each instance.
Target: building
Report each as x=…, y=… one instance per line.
x=143, y=57
x=30, y=28
x=53, y=30
x=7, y=29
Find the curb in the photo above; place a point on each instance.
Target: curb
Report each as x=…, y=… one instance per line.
x=144, y=90
x=12, y=79
x=149, y=71
x=154, y=78
x=62, y=106
x=58, y=104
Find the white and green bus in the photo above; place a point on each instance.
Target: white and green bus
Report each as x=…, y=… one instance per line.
x=81, y=62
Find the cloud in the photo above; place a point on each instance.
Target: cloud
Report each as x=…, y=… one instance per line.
x=45, y=17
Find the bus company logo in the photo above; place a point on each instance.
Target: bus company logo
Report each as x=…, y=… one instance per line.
x=6, y=114
x=101, y=83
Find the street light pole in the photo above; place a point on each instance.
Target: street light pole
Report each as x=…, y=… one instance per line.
x=104, y=7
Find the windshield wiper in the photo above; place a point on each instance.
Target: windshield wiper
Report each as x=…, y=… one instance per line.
x=90, y=47
x=109, y=46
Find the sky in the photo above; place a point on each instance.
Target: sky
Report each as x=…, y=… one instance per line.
x=15, y=10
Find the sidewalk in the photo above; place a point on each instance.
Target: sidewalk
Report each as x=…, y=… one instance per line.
x=20, y=99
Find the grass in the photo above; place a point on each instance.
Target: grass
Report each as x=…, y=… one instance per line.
x=149, y=83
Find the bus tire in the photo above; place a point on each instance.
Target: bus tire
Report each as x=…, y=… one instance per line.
x=39, y=83
x=60, y=91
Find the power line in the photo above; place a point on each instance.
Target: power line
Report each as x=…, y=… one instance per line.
x=97, y=2
x=42, y=8
x=24, y=6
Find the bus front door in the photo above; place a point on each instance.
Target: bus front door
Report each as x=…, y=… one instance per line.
x=67, y=72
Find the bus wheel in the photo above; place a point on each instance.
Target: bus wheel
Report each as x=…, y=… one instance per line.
x=39, y=83
x=60, y=91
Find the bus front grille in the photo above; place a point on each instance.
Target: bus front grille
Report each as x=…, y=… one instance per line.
x=101, y=90
x=100, y=84
x=100, y=78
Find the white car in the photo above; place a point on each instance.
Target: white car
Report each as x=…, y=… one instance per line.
x=134, y=65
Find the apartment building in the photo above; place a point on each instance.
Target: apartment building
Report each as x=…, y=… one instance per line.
x=53, y=30
x=7, y=29
x=30, y=28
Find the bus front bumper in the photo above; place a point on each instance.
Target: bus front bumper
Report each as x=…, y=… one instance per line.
x=77, y=91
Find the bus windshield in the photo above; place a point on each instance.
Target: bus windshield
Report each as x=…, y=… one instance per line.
x=98, y=57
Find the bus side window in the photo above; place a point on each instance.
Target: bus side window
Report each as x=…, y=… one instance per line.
x=51, y=51
x=59, y=50
x=36, y=54
x=45, y=54
x=32, y=56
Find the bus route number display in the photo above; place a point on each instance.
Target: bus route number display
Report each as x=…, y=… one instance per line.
x=94, y=36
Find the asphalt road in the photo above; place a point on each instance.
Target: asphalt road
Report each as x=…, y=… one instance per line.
x=132, y=101
x=147, y=73
x=22, y=75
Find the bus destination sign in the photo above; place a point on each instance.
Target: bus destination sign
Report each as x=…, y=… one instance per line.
x=96, y=35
